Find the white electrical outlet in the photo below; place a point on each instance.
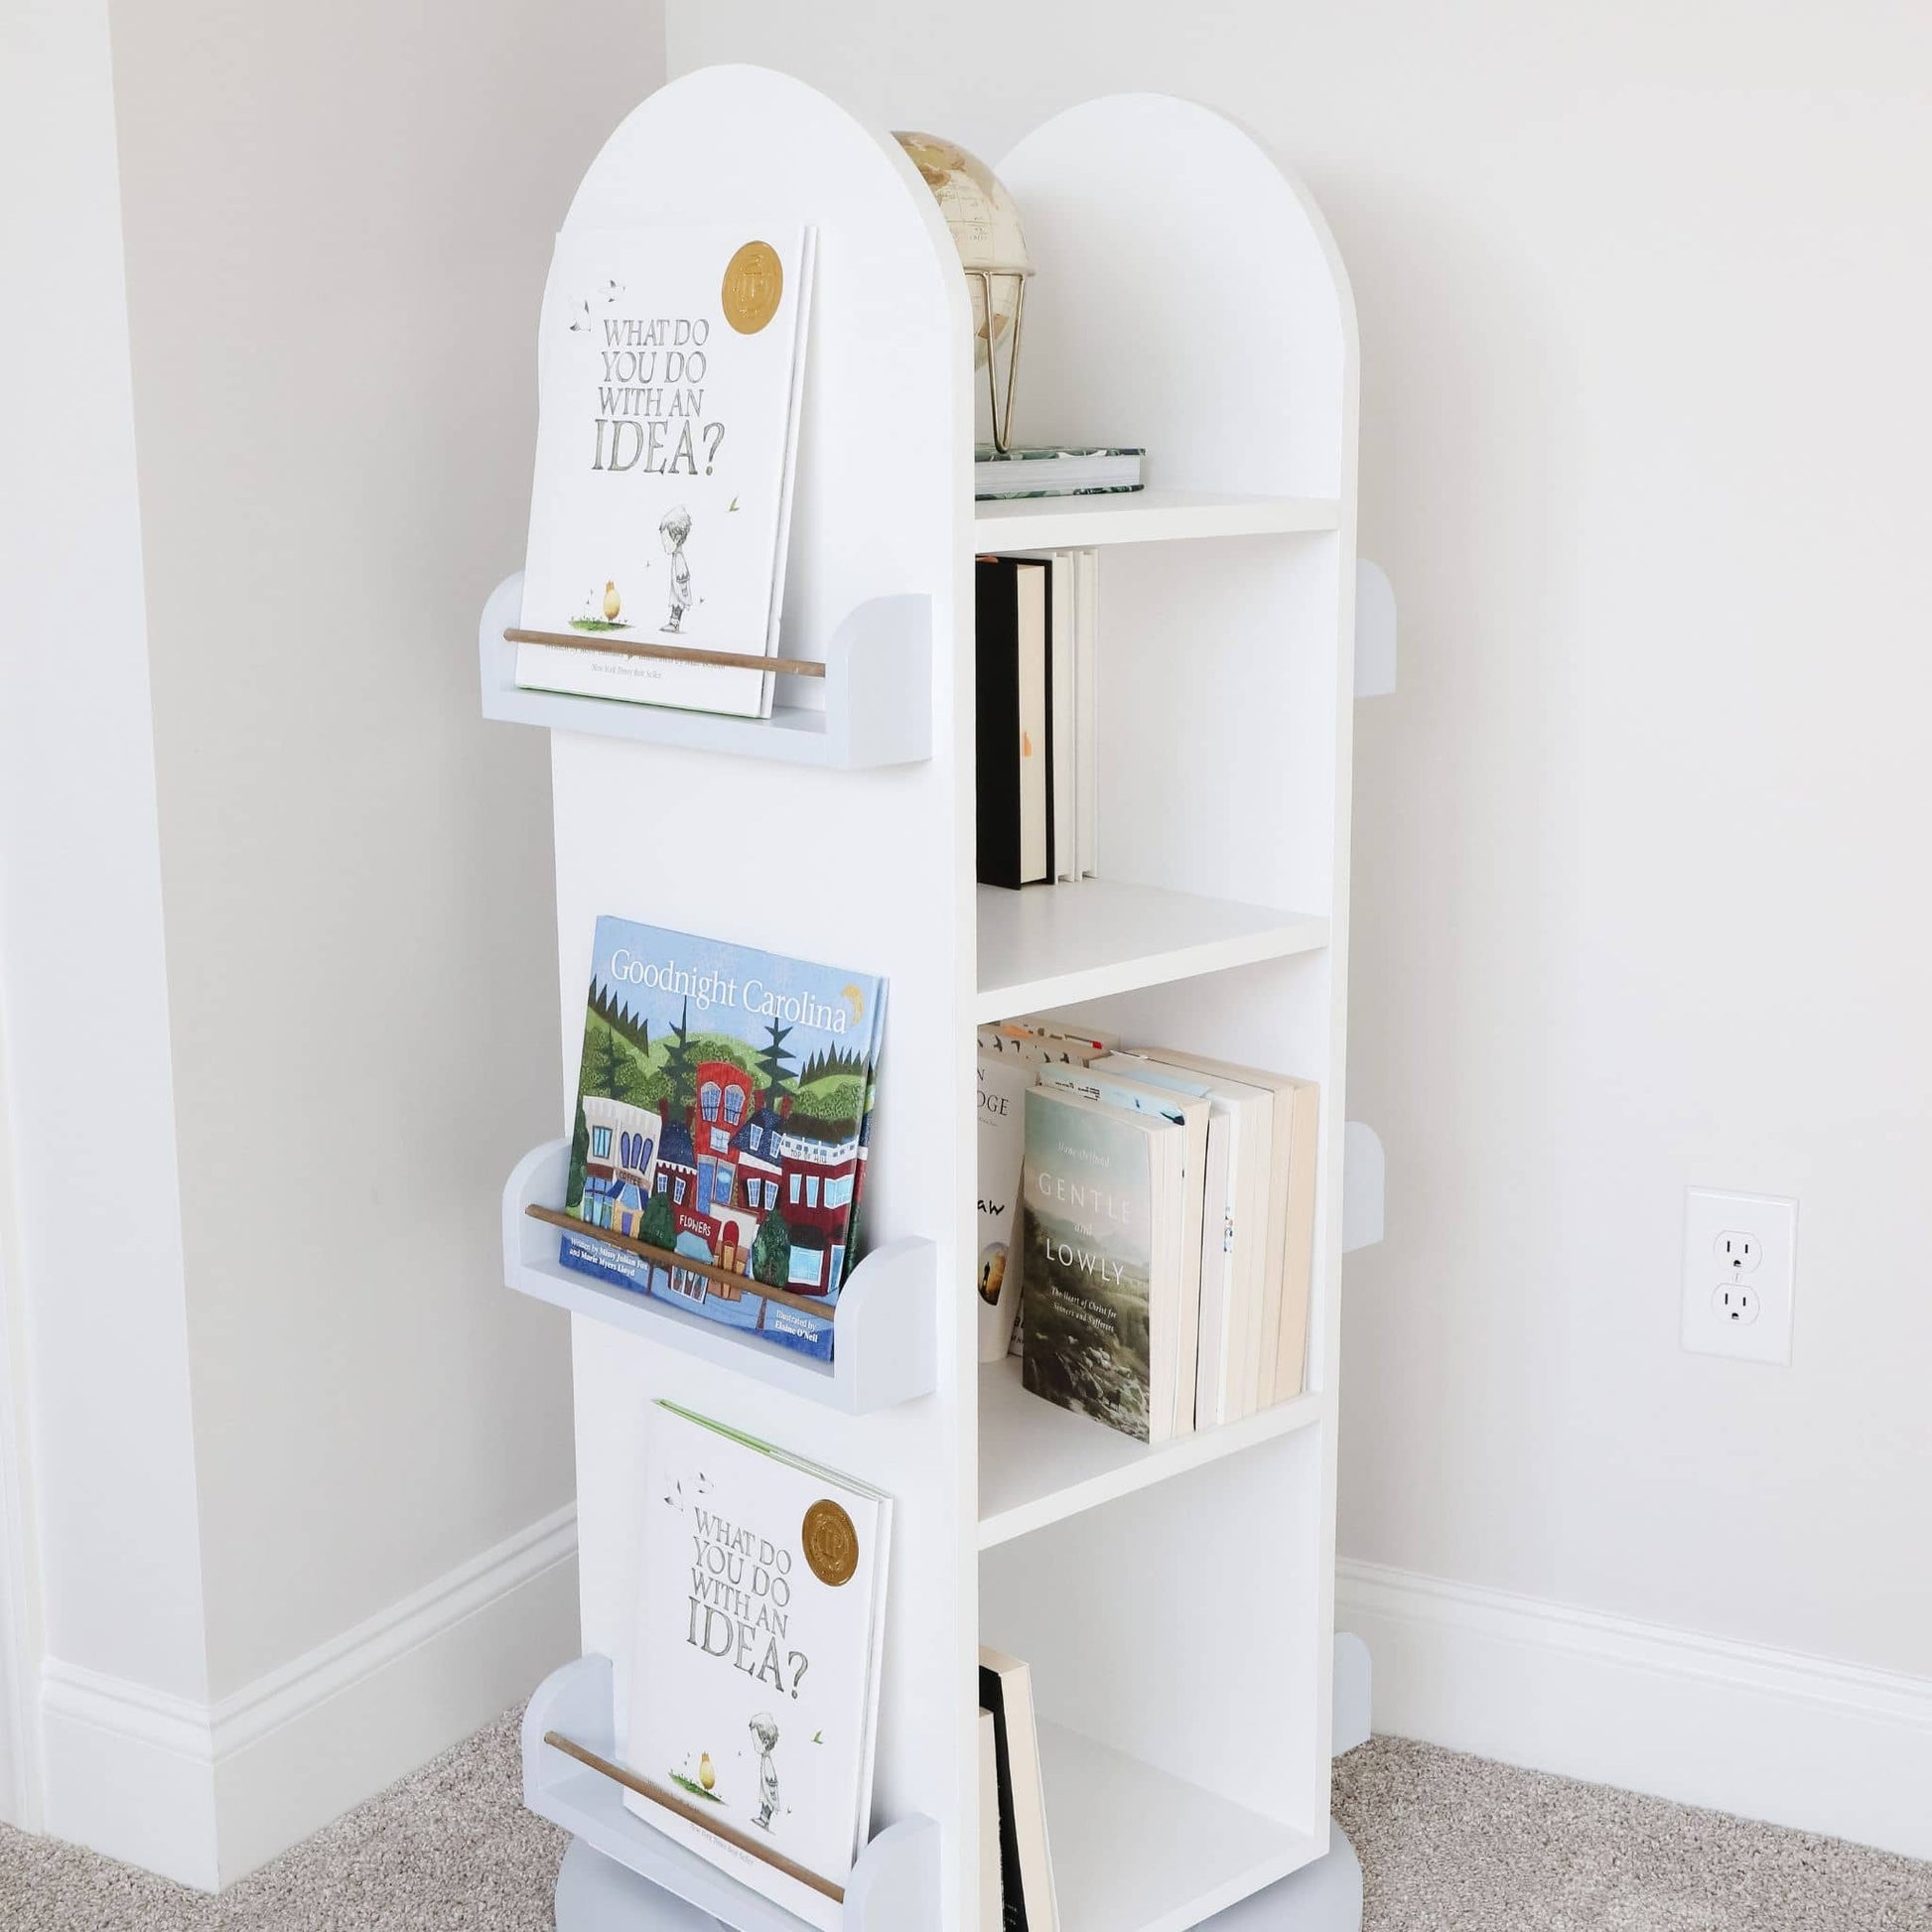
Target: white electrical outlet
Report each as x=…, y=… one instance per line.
x=1741, y=1255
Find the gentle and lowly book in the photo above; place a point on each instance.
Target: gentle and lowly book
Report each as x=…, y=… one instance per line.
x=752, y=1689
x=1190, y=1115
x=723, y=1114
x=671, y=365
x=1100, y=1277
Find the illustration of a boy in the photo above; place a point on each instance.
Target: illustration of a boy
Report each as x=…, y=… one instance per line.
x=764, y=1734
x=675, y=530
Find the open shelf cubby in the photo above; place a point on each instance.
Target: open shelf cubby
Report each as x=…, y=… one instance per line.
x=1174, y=1601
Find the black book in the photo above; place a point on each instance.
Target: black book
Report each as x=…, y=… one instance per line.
x=1011, y=1889
x=1026, y=1858
x=1013, y=707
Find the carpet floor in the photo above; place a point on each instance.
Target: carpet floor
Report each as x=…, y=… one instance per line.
x=1447, y=1844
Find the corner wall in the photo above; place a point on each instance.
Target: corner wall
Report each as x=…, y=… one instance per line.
x=303, y=1470
x=102, y=1442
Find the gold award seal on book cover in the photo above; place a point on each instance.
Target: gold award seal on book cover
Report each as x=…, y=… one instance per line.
x=755, y=282
x=831, y=1543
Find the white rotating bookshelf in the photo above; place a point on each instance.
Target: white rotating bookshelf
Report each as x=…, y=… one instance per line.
x=1176, y=1602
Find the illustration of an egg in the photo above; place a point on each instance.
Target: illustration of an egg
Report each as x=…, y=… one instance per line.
x=706, y=1775
x=612, y=602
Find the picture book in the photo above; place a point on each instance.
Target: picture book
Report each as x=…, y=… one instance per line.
x=1100, y=1279
x=724, y=1116
x=670, y=367
x=752, y=1680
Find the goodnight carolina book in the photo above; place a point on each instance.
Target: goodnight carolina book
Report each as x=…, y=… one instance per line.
x=723, y=1114
x=752, y=1693
x=670, y=367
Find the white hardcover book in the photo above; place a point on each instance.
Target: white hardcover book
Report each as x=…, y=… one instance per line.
x=1245, y=1110
x=1067, y=781
x=1003, y=1082
x=992, y=1893
x=1035, y=795
x=752, y=1687
x=1189, y=1114
x=670, y=366
x=1086, y=629
x=1290, y=1250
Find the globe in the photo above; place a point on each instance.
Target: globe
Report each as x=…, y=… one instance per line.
x=985, y=229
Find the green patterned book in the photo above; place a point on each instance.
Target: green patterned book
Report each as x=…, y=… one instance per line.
x=1101, y=471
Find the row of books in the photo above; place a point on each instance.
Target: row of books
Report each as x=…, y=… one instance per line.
x=1036, y=624
x=1146, y=1226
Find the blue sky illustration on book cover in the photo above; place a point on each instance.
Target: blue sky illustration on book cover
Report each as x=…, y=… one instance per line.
x=724, y=1109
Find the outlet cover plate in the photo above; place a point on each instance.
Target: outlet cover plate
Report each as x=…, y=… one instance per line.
x=1712, y=1223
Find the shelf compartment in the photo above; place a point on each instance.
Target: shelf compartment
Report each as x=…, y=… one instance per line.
x=1050, y=945
x=1137, y=1851
x=878, y=695
x=894, y=1885
x=883, y=1346
x=1143, y=516
x=1040, y=1463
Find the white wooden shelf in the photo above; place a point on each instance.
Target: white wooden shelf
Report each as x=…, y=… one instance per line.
x=883, y=1346
x=878, y=695
x=1135, y=1849
x=1050, y=945
x=1143, y=516
x=1040, y=1463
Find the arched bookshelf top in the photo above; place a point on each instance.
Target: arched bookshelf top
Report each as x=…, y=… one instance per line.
x=1187, y=296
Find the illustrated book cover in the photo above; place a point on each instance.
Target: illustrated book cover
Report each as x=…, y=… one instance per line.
x=670, y=369
x=724, y=1115
x=1100, y=1277
x=1003, y=1082
x=753, y=1684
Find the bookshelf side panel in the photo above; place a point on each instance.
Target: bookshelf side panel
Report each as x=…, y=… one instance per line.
x=867, y=869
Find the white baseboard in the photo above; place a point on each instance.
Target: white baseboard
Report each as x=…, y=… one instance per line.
x=1763, y=1734
x=128, y=1771
x=206, y=1794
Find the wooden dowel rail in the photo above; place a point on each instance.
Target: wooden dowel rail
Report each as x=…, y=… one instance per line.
x=731, y=661
x=716, y=1826
x=723, y=1277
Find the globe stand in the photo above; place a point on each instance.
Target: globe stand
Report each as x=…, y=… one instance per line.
x=1001, y=409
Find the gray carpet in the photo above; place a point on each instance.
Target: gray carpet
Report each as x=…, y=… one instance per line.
x=1448, y=1844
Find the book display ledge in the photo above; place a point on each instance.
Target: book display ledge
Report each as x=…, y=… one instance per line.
x=1183, y=1786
